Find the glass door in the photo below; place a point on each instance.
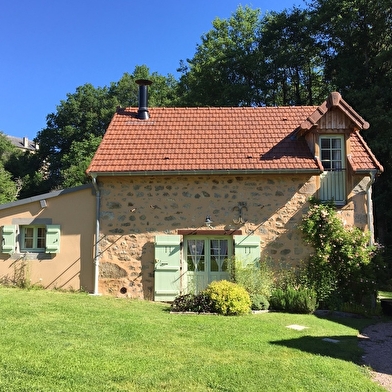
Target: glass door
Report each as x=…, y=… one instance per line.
x=206, y=260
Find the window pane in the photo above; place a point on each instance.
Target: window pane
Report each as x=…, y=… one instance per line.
x=218, y=254
x=195, y=255
x=325, y=155
x=28, y=238
x=41, y=237
x=28, y=243
x=337, y=155
x=336, y=143
x=28, y=232
x=325, y=143
x=41, y=243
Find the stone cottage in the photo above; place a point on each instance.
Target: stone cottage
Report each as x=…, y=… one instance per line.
x=181, y=190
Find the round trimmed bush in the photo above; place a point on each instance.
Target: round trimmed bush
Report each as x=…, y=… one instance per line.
x=228, y=298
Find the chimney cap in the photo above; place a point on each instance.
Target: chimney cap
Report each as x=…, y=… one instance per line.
x=143, y=82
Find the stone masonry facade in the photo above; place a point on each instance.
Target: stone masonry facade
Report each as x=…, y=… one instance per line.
x=136, y=209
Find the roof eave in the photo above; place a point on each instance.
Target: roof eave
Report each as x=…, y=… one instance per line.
x=201, y=172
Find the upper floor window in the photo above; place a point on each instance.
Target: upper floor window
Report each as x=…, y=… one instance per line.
x=333, y=158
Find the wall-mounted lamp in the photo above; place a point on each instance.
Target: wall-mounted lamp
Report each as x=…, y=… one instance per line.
x=208, y=222
x=43, y=203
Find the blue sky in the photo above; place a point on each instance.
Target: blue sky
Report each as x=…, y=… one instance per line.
x=50, y=47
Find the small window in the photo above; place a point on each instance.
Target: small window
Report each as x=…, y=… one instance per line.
x=333, y=180
x=33, y=238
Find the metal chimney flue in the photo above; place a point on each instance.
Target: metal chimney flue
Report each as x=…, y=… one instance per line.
x=142, y=112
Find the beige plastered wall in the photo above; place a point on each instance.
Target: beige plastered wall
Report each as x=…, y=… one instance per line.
x=71, y=268
x=136, y=209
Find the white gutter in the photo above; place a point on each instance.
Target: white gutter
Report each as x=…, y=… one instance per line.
x=96, y=247
x=370, y=206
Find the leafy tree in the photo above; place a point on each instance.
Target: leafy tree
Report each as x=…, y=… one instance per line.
x=253, y=60
x=294, y=73
x=9, y=189
x=77, y=160
x=356, y=39
x=74, y=131
x=226, y=68
x=28, y=172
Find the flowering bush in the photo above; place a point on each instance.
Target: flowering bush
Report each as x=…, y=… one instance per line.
x=340, y=269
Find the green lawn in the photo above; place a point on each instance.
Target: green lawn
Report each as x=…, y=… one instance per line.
x=53, y=341
x=385, y=294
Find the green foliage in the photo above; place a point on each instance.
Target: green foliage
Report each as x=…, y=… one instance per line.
x=254, y=278
x=77, y=160
x=249, y=60
x=294, y=300
x=9, y=189
x=73, y=132
x=55, y=341
x=199, y=303
x=226, y=67
x=228, y=298
x=340, y=268
x=259, y=302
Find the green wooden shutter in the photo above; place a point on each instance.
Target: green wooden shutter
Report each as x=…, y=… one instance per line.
x=247, y=248
x=52, y=238
x=9, y=239
x=167, y=267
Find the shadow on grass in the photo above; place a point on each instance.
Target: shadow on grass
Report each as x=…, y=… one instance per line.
x=339, y=347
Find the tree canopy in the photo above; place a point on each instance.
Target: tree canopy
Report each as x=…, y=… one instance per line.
x=293, y=57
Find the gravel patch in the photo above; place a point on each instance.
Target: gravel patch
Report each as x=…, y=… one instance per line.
x=376, y=341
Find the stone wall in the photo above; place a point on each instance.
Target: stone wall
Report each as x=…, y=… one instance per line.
x=136, y=209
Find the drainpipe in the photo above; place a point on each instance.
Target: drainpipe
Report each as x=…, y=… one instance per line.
x=370, y=206
x=96, y=248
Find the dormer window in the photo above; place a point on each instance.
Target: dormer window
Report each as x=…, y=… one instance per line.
x=333, y=159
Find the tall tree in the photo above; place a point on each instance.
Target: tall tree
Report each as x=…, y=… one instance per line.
x=357, y=44
x=294, y=71
x=226, y=68
x=9, y=186
x=253, y=60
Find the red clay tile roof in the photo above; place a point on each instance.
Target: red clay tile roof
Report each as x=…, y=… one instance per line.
x=193, y=140
x=361, y=157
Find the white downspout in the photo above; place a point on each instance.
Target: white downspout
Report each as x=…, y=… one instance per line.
x=370, y=206
x=96, y=247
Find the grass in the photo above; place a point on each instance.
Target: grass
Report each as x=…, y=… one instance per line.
x=384, y=294
x=53, y=341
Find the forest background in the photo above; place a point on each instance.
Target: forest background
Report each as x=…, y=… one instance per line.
x=294, y=57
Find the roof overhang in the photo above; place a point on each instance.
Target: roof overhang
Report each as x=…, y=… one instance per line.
x=202, y=172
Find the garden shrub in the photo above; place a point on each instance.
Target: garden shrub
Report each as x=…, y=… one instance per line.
x=255, y=278
x=228, y=298
x=291, y=300
x=341, y=268
x=199, y=303
x=259, y=302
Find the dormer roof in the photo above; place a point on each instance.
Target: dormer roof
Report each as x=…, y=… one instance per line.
x=334, y=100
